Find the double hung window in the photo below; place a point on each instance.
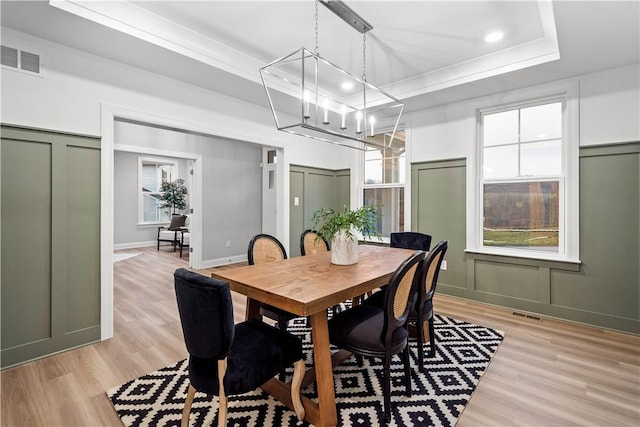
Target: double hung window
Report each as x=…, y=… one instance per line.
x=525, y=189
x=522, y=177
x=152, y=172
x=384, y=180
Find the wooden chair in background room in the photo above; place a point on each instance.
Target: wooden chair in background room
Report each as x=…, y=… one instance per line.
x=371, y=331
x=266, y=248
x=311, y=243
x=225, y=359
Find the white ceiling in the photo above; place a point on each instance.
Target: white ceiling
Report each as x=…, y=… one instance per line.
x=424, y=52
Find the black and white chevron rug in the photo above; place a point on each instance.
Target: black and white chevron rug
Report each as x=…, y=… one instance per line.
x=438, y=396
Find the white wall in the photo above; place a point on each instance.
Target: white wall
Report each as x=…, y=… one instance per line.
x=609, y=103
x=81, y=93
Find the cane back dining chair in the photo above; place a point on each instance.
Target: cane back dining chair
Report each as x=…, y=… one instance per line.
x=312, y=243
x=266, y=248
x=225, y=359
x=422, y=311
x=371, y=331
x=405, y=240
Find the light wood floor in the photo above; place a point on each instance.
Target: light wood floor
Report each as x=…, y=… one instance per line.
x=545, y=373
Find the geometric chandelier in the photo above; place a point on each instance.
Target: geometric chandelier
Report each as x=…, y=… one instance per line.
x=312, y=97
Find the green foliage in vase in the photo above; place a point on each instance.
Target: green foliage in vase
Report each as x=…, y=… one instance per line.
x=174, y=194
x=328, y=222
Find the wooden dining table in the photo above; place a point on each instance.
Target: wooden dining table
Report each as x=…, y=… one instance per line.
x=307, y=286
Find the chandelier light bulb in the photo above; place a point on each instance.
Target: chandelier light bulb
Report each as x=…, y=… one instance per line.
x=358, y=120
x=343, y=125
x=372, y=120
x=326, y=112
x=307, y=97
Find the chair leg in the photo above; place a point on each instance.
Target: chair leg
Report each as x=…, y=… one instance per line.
x=432, y=338
x=299, y=369
x=222, y=410
x=187, y=406
x=359, y=360
x=407, y=370
x=386, y=388
x=420, y=336
x=282, y=322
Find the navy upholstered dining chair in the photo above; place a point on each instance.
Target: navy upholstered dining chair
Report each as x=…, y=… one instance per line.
x=227, y=359
x=422, y=311
x=372, y=331
x=410, y=240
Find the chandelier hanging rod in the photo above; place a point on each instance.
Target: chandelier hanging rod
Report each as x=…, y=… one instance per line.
x=348, y=15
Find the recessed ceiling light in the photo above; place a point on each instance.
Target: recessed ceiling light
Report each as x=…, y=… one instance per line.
x=494, y=37
x=347, y=85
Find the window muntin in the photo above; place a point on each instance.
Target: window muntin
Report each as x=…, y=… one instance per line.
x=522, y=178
x=384, y=180
x=152, y=172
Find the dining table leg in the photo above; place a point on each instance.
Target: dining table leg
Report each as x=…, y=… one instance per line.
x=324, y=370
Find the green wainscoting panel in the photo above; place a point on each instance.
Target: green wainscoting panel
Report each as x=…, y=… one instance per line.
x=26, y=242
x=343, y=188
x=296, y=211
x=438, y=208
x=604, y=290
x=316, y=188
x=509, y=280
x=83, y=225
x=50, y=244
x=609, y=281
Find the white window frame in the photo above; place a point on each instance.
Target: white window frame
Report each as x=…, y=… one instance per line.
x=568, y=236
x=363, y=186
x=174, y=175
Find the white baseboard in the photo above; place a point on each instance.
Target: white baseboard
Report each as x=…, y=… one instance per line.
x=133, y=245
x=224, y=261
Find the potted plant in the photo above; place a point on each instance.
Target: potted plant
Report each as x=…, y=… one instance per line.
x=340, y=228
x=174, y=194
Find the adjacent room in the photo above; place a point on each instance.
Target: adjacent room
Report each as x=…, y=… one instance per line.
x=319, y=212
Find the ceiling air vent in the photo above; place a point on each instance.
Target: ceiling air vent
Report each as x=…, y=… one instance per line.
x=20, y=60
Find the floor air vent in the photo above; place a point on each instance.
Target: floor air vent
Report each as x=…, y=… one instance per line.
x=20, y=60
x=528, y=316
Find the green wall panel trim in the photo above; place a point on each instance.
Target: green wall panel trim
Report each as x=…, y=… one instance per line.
x=315, y=188
x=56, y=190
x=22, y=354
x=497, y=279
x=563, y=313
x=555, y=265
x=602, y=290
x=439, y=164
x=44, y=135
x=610, y=149
x=25, y=235
x=438, y=208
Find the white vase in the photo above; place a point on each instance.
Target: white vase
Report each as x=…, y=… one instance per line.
x=344, y=248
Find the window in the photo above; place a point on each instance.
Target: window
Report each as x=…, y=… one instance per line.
x=523, y=179
x=384, y=178
x=152, y=172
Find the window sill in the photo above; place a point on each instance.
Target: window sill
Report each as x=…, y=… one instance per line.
x=525, y=258
x=153, y=224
